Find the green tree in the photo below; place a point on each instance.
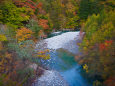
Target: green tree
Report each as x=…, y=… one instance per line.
x=12, y=15
x=33, y=25
x=98, y=46
x=88, y=7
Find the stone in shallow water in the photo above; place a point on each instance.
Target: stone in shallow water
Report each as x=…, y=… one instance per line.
x=50, y=78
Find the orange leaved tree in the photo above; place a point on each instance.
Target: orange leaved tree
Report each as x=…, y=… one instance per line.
x=23, y=34
x=44, y=23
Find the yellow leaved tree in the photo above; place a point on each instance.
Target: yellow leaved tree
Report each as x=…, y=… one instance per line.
x=85, y=67
x=23, y=34
x=3, y=37
x=43, y=54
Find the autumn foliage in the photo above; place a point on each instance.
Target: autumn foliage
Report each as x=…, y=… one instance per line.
x=104, y=46
x=8, y=67
x=98, y=47
x=23, y=34
x=43, y=23
x=3, y=37
x=27, y=3
x=40, y=5
x=43, y=54
x=110, y=81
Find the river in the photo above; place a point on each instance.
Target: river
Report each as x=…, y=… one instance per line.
x=63, y=48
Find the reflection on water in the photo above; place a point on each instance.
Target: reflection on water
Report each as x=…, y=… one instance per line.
x=66, y=56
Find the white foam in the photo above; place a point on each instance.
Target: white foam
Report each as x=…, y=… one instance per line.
x=59, y=41
x=56, y=32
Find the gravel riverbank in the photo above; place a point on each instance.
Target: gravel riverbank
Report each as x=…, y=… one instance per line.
x=50, y=78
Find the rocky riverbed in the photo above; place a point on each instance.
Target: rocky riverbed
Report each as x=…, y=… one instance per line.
x=50, y=78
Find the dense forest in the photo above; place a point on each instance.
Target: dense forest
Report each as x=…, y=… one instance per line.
x=25, y=22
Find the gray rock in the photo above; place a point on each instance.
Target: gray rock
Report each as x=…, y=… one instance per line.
x=50, y=78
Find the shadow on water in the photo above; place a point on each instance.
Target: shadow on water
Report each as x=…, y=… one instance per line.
x=72, y=73
x=66, y=56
